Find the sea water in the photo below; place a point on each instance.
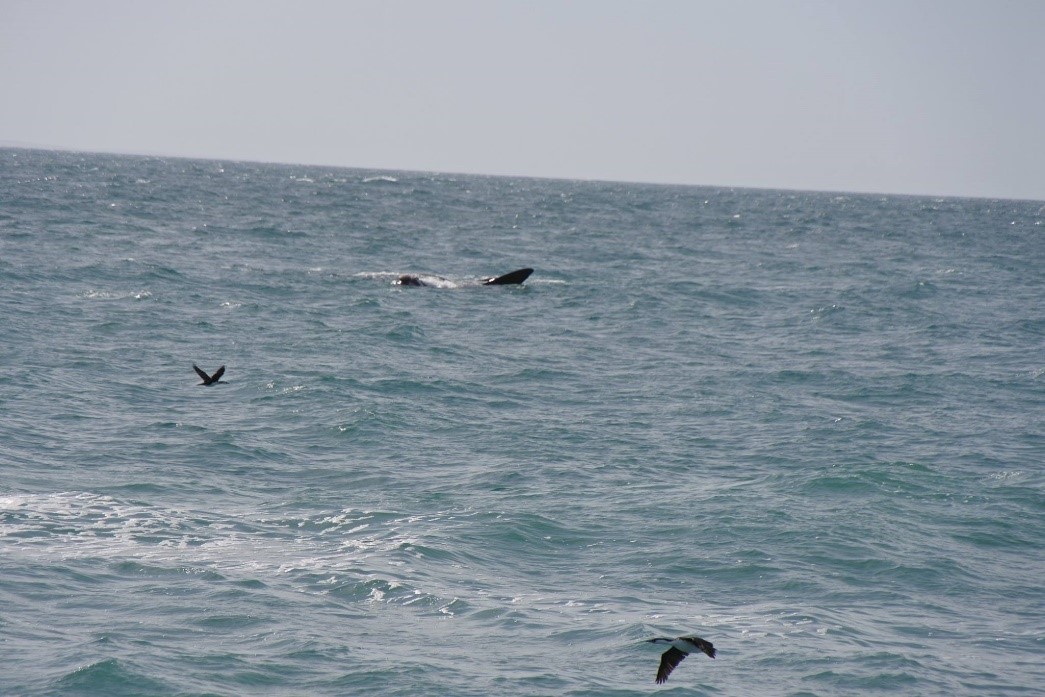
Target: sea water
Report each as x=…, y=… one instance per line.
x=808, y=427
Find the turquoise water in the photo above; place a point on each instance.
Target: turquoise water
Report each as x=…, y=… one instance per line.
x=808, y=427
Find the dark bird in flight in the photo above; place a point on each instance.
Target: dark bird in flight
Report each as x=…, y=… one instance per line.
x=210, y=379
x=680, y=648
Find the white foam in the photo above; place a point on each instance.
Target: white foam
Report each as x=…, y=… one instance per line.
x=116, y=295
x=314, y=554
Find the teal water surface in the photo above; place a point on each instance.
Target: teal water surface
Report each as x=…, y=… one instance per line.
x=805, y=426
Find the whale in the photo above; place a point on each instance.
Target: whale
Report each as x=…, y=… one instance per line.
x=512, y=278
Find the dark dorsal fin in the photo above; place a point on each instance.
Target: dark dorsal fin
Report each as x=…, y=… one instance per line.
x=511, y=278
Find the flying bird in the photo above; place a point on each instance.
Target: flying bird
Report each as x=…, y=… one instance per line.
x=209, y=379
x=680, y=648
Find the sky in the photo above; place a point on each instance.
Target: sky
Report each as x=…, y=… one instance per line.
x=933, y=97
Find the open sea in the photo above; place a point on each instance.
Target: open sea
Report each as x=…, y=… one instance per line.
x=808, y=427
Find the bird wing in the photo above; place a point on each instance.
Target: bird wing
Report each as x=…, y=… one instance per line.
x=221, y=371
x=203, y=376
x=668, y=660
x=702, y=644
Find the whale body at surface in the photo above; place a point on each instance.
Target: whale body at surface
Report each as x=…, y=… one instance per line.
x=512, y=278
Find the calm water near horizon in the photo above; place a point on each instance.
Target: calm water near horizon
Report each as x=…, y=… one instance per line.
x=808, y=427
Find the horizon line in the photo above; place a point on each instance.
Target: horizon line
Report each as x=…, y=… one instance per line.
x=20, y=145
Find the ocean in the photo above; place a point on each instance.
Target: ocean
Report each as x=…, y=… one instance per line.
x=807, y=427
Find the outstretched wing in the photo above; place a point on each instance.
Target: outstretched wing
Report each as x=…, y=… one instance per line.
x=203, y=376
x=702, y=644
x=221, y=371
x=668, y=660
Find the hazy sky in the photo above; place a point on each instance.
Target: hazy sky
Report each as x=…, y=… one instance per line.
x=910, y=96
